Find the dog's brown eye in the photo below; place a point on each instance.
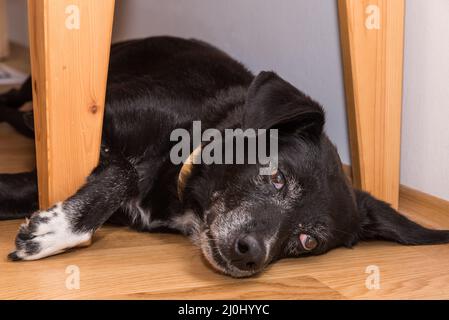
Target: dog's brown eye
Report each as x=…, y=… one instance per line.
x=308, y=242
x=277, y=179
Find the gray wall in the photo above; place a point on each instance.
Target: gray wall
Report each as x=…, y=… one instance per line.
x=299, y=40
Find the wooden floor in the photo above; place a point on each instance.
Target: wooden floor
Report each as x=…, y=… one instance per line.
x=123, y=264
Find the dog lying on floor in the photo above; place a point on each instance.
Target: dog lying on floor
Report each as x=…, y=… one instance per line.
x=241, y=220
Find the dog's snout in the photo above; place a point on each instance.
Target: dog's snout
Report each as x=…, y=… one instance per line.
x=248, y=252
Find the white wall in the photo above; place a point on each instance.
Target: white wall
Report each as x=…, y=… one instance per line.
x=425, y=115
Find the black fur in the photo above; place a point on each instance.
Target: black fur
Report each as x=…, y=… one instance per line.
x=159, y=84
x=18, y=195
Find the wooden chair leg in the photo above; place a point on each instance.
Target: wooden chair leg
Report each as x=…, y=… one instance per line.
x=372, y=45
x=4, y=41
x=69, y=44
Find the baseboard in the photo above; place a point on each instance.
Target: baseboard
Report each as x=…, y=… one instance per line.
x=419, y=203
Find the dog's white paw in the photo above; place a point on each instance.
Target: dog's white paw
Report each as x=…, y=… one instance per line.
x=47, y=233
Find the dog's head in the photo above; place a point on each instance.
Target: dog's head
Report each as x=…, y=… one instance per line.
x=305, y=207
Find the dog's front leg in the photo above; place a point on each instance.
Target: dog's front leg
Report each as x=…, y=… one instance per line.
x=71, y=223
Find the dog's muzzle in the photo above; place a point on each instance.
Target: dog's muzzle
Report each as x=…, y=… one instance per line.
x=247, y=253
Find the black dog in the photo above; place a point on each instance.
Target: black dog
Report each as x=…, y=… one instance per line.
x=241, y=220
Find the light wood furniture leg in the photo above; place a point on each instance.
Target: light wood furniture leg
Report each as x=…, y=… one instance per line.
x=4, y=41
x=69, y=46
x=372, y=45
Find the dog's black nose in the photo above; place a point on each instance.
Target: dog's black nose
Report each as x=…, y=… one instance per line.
x=248, y=253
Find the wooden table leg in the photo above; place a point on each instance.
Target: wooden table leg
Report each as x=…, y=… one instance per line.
x=372, y=34
x=69, y=44
x=4, y=40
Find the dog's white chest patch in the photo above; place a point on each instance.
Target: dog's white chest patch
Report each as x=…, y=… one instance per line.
x=138, y=215
x=185, y=223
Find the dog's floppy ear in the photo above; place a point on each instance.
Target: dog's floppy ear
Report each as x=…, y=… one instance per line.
x=274, y=103
x=380, y=221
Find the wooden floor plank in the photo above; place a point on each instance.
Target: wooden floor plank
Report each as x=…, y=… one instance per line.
x=130, y=265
